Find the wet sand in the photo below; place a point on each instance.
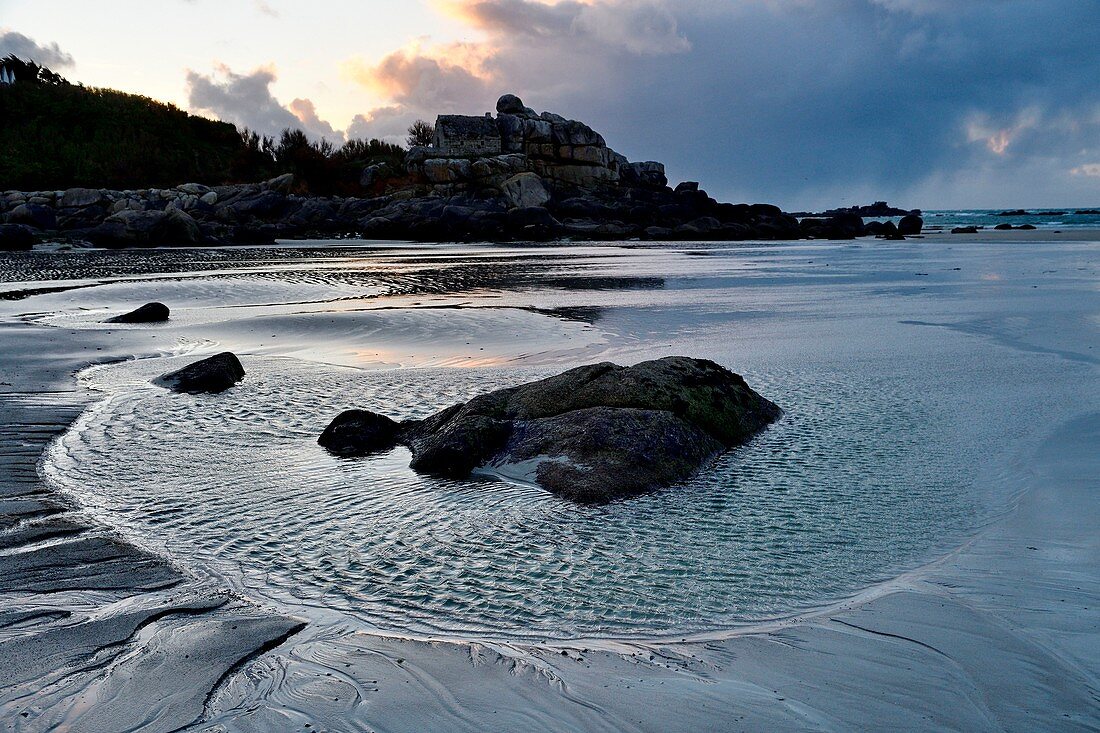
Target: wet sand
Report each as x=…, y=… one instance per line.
x=1003, y=633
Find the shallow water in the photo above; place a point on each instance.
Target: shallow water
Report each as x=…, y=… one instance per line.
x=903, y=415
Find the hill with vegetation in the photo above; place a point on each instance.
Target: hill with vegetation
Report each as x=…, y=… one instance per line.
x=56, y=135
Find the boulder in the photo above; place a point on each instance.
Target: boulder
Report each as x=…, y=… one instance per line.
x=844, y=226
x=887, y=229
x=525, y=189
x=15, y=237
x=148, y=313
x=80, y=197
x=213, y=374
x=279, y=184
x=359, y=432
x=647, y=173
x=1003, y=227
x=510, y=104
x=33, y=215
x=910, y=225
x=129, y=228
x=599, y=454
x=447, y=170
x=965, y=230
x=591, y=434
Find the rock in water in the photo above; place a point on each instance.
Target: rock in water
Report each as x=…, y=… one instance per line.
x=148, y=313
x=214, y=374
x=359, y=432
x=591, y=434
x=603, y=453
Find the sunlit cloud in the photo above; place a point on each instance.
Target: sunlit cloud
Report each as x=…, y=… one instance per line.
x=644, y=27
x=246, y=100
x=1091, y=170
x=424, y=77
x=998, y=139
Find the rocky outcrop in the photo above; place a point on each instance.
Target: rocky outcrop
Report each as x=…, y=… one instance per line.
x=148, y=313
x=518, y=175
x=840, y=226
x=213, y=374
x=877, y=210
x=591, y=434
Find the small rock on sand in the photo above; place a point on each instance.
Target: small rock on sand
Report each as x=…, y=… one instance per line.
x=148, y=313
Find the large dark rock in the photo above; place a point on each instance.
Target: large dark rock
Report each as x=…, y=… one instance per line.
x=33, y=215
x=591, y=434
x=458, y=446
x=130, y=228
x=214, y=374
x=15, y=237
x=844, y=226
x=510, y=104
x=359, y=432
x=910, y=225
x=148, y=313
x=885, y=229
x=599, y=454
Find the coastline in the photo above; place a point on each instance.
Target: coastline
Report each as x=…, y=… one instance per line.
x=978, y=640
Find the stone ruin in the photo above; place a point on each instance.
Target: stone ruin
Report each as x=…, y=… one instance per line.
x=462, y=135
x=523, y=154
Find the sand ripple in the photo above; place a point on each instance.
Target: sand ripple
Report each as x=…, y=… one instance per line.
x=827, y=501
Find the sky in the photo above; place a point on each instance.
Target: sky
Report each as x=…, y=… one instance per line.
x=803, y=103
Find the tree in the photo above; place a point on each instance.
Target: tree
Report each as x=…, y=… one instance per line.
x=29, y=71
x=420, y=133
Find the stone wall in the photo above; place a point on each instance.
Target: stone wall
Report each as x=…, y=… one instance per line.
x=464, y=135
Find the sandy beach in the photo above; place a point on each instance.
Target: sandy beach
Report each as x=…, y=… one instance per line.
x=178, y=563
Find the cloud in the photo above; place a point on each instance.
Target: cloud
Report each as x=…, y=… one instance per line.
x=49, y=55
x=419, y=80
x=802, y=102
x=524, y=38
x=306, y=113
x=641, y=27
x=1092, y=170
x=390, y=124
x=266, y=8
x=246, y=101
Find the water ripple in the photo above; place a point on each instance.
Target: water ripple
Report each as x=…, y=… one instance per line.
x=820, y=505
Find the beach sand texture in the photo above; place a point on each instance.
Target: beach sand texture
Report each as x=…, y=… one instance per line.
x=107, y=622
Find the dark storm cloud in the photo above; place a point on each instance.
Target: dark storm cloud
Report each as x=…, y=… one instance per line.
x=49, y=54
x=815, y=101
x=804, y=102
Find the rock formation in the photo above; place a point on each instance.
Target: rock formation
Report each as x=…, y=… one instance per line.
x=518, y=175
x=213, y=374
x=591, y=434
